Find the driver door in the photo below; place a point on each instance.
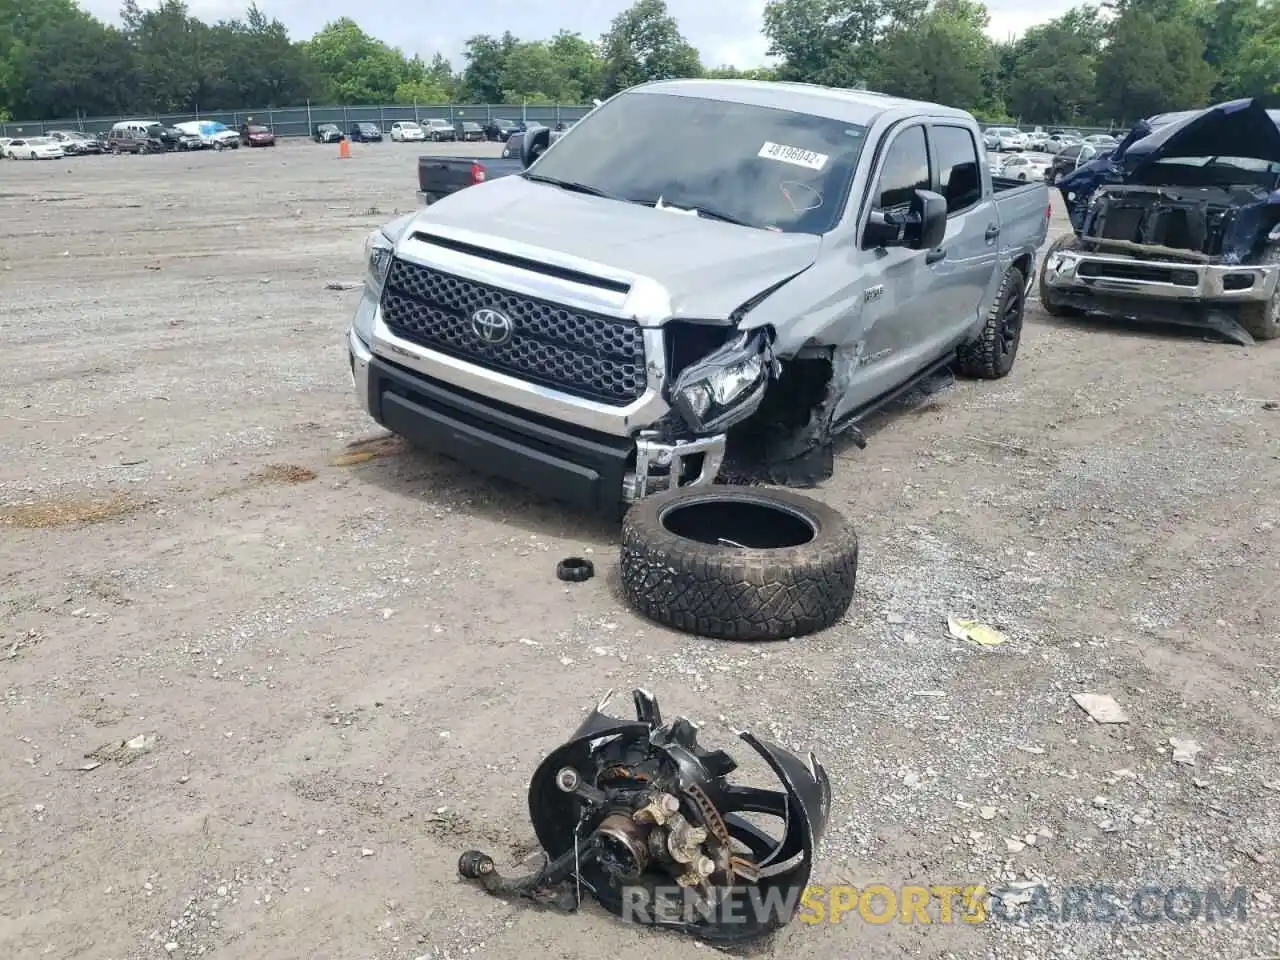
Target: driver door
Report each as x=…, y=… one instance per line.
x=898, y=280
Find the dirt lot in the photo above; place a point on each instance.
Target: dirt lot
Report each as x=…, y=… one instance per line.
x=344, y=668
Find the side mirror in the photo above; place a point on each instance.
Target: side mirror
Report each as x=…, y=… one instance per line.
x=922, y=227
x=532, y=145
x=932, y=210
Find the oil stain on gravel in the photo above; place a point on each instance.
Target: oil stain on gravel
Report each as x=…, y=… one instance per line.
x=60, y=512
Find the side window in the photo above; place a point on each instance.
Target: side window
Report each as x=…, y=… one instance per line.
x=959, y=179
x=905, y=170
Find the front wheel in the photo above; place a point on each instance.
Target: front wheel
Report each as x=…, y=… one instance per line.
x=991, y=354
x=1052, y=307
x=1262, y=320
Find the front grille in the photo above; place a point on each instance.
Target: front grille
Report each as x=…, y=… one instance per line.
x=582, y=354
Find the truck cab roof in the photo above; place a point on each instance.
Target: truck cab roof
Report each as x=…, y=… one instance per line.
x=862, y=107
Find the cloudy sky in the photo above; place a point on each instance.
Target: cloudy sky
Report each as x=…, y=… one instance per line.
x=725, y=31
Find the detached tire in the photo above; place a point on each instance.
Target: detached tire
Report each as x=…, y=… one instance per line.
x=738, y=563
x=1065, y=242
x=990, y=356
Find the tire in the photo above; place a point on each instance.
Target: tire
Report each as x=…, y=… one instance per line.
x=1262, y=320
x=727, y=592
x=991, y=355
x=1054, y=309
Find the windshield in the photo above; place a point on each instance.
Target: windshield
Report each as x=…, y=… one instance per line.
x=765, y=167
x=39, y=142
x=409, y=125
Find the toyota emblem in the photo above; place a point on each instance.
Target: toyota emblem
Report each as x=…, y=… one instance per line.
x=493, y=328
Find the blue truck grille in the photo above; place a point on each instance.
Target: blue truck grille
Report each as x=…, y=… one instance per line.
x=584, y=354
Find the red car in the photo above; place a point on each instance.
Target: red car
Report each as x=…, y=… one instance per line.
x=253, y=135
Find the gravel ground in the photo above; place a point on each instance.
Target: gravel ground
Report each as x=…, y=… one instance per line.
x=258, y=693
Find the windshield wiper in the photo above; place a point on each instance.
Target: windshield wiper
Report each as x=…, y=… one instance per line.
x=700, y=211
x=570, y=185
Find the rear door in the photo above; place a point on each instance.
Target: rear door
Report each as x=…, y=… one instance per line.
x=972, y=245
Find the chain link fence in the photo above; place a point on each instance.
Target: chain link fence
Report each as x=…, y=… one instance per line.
x=302, y=121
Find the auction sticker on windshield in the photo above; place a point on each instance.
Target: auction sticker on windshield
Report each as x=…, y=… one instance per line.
x=793, y=155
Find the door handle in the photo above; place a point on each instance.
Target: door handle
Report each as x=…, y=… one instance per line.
x=933, y=256
x=993, y=231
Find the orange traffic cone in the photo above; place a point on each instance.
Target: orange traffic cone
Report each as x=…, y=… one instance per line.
x=344, y=149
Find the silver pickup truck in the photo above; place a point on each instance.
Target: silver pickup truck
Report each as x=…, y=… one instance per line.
x=749, y=283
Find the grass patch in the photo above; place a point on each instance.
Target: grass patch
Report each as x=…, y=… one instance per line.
x=45, y=514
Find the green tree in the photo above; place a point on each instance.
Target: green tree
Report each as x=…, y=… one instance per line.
x=1256, y=67
x=644, y=43
x=358, y=67
x=1054, y=69
x=1151, y=66
x=486, y=61
x=582, y=65
x=834, y=42
x=944, y=57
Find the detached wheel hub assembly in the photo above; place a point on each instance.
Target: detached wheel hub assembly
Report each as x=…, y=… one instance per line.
x=641, y=816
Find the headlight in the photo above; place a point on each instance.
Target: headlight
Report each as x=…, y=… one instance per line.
x=725, y=387
x=378, y=250
x=379, y=247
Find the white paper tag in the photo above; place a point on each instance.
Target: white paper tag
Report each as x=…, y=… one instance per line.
x=795, y=156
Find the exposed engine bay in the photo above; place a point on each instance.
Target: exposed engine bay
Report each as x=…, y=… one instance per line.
x=641, y=816
x=1206, y=224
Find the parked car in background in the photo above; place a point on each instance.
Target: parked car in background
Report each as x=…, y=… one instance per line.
x=76, y=143
x=34, y=148
x=1058, y=139
x=407, y=131
x=327, y=133
x=1005, y=138
x=469, y=131
x=1068, y=158
x=366, y=133
x=188, y=141
x=1025, y=167
x=439, y=129
x=501, y=130
x=126, y=138
x=256, y=135
x=212, y=133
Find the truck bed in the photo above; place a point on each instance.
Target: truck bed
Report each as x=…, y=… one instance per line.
x=440, y=176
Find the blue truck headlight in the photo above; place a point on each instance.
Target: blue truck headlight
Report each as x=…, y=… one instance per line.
x=726, y=386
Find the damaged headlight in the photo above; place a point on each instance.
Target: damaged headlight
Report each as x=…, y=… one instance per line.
x=725, y=387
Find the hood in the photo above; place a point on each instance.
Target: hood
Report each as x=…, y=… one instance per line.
x=708, y=268
x=1238, y=128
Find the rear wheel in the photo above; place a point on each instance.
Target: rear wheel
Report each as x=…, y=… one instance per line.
x=1052, y=307
x=990, y=356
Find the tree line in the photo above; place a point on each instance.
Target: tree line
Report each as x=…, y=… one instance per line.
x=1111, y=63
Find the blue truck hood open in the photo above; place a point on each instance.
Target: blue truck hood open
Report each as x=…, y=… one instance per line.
x=1238, y=128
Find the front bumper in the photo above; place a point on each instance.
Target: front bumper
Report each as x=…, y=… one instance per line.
x=563, y=460
x=1103, y=274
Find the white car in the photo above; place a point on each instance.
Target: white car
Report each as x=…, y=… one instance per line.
x=1006, y=138
x=1027, y=167
x=402, y=131
x=34, y=148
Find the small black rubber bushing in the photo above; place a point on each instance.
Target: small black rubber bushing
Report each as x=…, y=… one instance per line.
x=575, y=569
